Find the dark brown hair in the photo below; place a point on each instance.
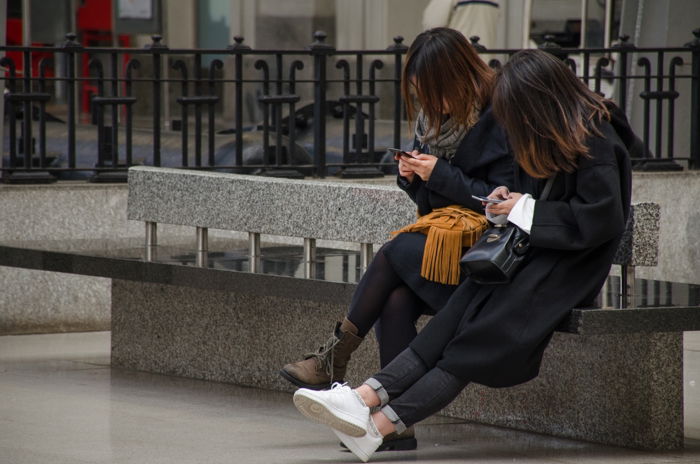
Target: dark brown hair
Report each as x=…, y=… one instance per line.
x=546, y=111
x=442, y=66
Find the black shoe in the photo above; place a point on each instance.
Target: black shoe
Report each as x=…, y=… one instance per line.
x=395, y=442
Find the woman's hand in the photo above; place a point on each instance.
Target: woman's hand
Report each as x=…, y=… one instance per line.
x=499, y=193
x=404, y=170
x=422, y=164
x=505, y=206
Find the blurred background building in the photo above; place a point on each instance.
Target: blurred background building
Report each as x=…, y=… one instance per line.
x=348, y=23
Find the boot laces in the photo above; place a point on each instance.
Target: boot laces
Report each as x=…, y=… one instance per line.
x=324, y=355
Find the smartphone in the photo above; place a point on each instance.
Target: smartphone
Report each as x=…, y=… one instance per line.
x=400, y=152
x=487, y=200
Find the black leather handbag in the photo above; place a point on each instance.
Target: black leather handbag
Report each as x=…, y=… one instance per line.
x=496, y=256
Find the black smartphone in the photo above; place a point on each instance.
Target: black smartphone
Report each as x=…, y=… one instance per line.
x=398, y=151
x=487, y=200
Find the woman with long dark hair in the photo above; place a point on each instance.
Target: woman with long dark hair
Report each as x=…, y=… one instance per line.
x=459, y=151
x=495, y=335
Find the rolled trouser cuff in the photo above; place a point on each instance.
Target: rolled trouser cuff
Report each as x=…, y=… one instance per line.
x=394, y=418
x=379, y=390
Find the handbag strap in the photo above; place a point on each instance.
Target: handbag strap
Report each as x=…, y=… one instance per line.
x=547, y=188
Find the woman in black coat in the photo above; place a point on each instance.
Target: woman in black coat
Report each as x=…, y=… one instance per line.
x=459, y=151
x=495, y=335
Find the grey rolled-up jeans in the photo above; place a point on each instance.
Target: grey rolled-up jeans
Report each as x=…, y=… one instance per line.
x=409, y=391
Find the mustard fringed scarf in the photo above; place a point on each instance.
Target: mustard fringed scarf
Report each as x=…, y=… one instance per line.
x=448, y=229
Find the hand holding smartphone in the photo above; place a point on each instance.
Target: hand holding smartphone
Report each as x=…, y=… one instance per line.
x=487, y=200
x=400, y=152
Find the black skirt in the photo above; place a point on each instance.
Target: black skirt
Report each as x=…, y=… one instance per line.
x=405, y=254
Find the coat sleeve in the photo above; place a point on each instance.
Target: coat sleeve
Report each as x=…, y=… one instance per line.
x=448, y=184
x=416, y=189
x=418, y=193
x=591, y=217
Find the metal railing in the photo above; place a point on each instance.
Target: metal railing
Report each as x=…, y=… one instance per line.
x=74, y=112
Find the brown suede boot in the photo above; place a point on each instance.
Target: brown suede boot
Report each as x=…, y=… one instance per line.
x=327, y=365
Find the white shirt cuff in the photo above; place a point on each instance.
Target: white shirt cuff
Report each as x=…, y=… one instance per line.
x=523, y=212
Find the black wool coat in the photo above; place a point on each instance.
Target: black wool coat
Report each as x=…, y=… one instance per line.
x=483, y=161
x=495, y=335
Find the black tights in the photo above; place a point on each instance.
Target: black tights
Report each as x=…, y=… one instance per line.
x=383, y=298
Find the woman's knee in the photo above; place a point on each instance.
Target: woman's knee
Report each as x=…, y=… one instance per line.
x=402, y=305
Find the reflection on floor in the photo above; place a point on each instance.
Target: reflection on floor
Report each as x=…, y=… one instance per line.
x=60, y=402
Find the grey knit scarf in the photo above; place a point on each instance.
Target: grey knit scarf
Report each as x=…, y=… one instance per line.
x=445, y=144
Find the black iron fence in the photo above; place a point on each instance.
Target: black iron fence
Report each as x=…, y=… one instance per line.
x=74, y=112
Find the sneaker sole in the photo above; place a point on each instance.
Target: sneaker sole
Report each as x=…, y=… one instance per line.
x=287, y=376
x=318, y=412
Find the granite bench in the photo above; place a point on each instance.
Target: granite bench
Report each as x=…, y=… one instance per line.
x=610, y=375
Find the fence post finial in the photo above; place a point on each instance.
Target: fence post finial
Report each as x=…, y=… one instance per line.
x=695, y=43
x=475, y=43
x=156, y=42
x=398, y=44
x=623, y=42
x=238, y=45
x=70, y=41
x=319, y=42
x=551, y=47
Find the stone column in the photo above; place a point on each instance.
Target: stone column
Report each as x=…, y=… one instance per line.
x=373, y=23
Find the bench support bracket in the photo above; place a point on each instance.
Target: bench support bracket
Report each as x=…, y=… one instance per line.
x=309, y=258
x=366, y=256
x=254, y=250
x=627, y=289
x=151, y=234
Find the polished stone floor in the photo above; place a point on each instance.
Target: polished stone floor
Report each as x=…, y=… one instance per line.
x=60, y=402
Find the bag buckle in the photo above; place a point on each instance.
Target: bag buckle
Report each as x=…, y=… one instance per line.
x=492, y=238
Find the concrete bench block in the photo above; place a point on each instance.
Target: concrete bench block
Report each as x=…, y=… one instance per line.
x=639, y=245
x=622, y=389
x=237, y=337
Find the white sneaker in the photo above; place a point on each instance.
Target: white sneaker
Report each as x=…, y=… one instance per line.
x=363, y=447
x=339, y=408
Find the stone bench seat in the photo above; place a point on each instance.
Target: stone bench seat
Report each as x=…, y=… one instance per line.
x=176, y=264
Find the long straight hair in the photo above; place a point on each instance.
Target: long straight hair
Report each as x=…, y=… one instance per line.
x=441, y=66
x=546, y=111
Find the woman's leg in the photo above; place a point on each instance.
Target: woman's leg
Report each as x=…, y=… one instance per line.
x=373, y=291
x=432, y=392
x=348, y=410
x=396, y=326
x=328, y=364
x=407, y=391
